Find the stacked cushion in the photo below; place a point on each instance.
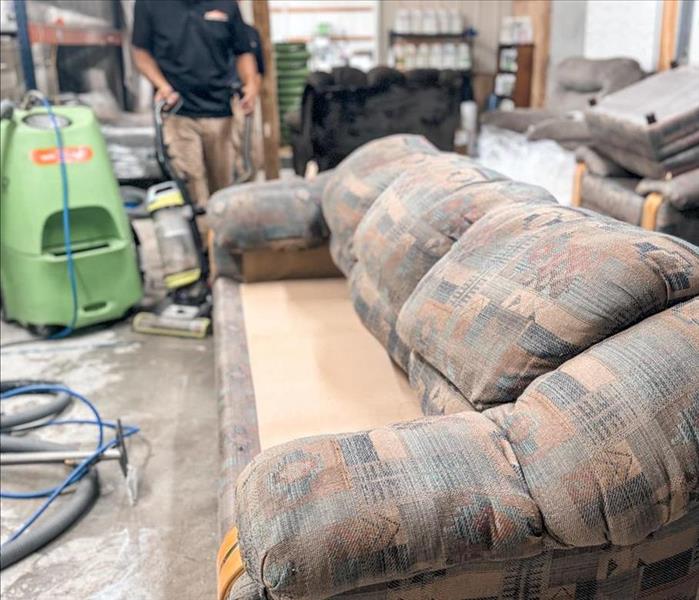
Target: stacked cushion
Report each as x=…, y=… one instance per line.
x=652, y=127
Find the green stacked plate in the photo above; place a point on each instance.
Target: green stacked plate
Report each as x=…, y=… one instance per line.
x=292, y=72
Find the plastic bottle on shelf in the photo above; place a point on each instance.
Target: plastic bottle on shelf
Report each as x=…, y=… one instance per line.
x=429, y=22
x=464, y=56
x=456, y=21
x=449, y=56
x=402, y=21
x=415, y=21
x=409, y=56
x=436, y=56
x=443, y=24
x=422, y=58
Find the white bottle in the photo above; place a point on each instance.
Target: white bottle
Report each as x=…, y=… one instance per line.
x=436, y=59
x=422, y=59
x=415, y=21
x=456, y=21
x=402, y=22
x=464, y=56
x=409, y=56
x=443, y=23
x=429, y=22
x=449, y=56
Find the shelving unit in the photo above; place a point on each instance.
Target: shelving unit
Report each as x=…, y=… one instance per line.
x=58, y=34
x=418, y=38
x=515, y=61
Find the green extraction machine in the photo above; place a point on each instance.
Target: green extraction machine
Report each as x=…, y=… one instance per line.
x=68, y=253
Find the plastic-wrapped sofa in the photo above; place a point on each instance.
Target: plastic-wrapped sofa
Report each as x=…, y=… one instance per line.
x=577, y=81
x=643, y=164
x=344, y=109
x=556, y=354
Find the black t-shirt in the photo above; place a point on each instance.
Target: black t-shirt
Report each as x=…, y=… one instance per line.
x=194, y=42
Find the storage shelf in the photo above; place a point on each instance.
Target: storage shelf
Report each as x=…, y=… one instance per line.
x=61, y=35
x=466, y=35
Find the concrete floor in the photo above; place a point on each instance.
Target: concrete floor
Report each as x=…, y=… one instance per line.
x=165, y=546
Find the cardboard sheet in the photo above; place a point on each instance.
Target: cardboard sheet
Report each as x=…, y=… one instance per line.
x=315, y=368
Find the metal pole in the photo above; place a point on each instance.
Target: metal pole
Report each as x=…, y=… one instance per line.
x=25, y=46
x=32, y=458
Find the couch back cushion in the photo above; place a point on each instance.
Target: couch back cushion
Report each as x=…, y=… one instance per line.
x=359, y=180
x=528, y=287
x=609, y=442
x=411, y=225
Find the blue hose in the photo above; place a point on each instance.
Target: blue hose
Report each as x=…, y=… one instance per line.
x=66, y=331
x=78, y=472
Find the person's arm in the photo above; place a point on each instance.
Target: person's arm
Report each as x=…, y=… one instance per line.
x=146, y=64
x=143, y=58
x=247, y=71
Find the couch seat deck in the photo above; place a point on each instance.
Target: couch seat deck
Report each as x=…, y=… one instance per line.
x=316, y=369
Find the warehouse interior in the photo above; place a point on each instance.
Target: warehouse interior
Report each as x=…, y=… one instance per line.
x=360, y=299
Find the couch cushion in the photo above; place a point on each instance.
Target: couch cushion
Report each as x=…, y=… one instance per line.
x=609, y=442
x=359, y=179
x=412, y=225
x=281, y=214
x=654, y=118
x=527, y=288
x=612, y=196
x=324, y=515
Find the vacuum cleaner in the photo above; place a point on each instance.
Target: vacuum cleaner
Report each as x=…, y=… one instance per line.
x=68, y=258
x=186, y=310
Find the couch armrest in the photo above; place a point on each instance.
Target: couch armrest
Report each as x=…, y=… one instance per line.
x=682, y=191
x=609, y=442
x=282, y=214
x=324, y=515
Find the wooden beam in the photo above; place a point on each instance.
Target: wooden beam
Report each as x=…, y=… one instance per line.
x=540, y=13
x=668, y=34
x=576, y=198
x=268, y=99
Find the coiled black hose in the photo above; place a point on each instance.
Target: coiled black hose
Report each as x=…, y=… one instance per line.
x=12, y=443
x=73, y=507
x=55, y=405
x=53, y=524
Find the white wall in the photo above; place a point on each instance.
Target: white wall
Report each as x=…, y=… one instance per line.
x=694, y=38
x=623, y=28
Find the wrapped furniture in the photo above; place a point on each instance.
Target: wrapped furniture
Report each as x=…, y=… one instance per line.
x=577, y=81
x=643, y=163
x=555, y=353
x=344, y=109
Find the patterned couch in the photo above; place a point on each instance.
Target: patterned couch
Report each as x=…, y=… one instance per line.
x=555, y=353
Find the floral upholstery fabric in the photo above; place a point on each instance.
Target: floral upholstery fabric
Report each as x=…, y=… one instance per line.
x=526, y=289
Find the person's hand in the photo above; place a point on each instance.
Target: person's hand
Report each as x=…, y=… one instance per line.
x=250, y=92
x=167, y=94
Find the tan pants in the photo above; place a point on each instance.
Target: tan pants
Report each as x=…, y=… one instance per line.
x=201, y=152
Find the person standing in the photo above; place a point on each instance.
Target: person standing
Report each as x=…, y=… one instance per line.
x=186, y=49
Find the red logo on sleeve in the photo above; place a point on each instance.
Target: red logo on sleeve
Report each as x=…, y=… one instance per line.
x=71, y=154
